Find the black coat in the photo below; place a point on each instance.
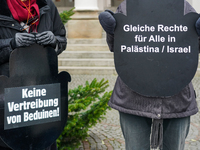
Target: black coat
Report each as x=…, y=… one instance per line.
x=49, y=21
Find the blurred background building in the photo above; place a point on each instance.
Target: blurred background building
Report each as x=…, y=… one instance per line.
x=102, y=4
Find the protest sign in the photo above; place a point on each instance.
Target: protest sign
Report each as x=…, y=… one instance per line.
x=33, y=99
x=156, y=47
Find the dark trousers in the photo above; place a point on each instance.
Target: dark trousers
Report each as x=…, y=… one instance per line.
x=137, y=130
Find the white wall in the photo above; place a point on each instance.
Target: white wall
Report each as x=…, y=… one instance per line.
x=195, y=4
x=102, y=4
x=86, y=5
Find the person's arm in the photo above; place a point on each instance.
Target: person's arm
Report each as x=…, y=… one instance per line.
x=197, y=25
x=5, y=50
x=57, y=37
x=58, y=30
x=188, y=9
x=108, y=23
x=7, y=45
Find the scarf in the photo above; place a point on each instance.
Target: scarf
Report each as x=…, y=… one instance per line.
x=20, y=11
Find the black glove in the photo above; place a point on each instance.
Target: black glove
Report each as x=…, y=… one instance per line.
x=22, y=40
x=107, y=21
x=46, y=38
x=198, y=26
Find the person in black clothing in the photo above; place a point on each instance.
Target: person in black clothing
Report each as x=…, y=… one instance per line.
x=26, y=22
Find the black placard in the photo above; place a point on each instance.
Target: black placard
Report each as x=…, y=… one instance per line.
x=33, y=68
x=156, y=47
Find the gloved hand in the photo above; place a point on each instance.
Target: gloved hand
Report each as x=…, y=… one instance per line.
x=46, y=38
x=198, y=26
x=22, y=40
x=107, y=21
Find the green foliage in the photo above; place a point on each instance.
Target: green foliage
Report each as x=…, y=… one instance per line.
x=87, y=105
x=65, y=15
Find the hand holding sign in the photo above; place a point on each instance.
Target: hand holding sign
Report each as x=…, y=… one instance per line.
x=156, y=47
x=36, y=99
x=107, y=21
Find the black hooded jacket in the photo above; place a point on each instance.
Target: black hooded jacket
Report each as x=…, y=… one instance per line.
x=49, y=21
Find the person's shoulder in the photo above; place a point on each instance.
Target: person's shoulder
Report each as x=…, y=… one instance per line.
x=122, y=4
x=186, y=3
x=122, y=7
x=49, y=2
x=188, y=8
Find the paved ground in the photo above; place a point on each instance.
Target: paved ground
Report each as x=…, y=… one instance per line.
x=107, y=135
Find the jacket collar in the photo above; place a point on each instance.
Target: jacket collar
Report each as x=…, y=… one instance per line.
x=4, y=10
